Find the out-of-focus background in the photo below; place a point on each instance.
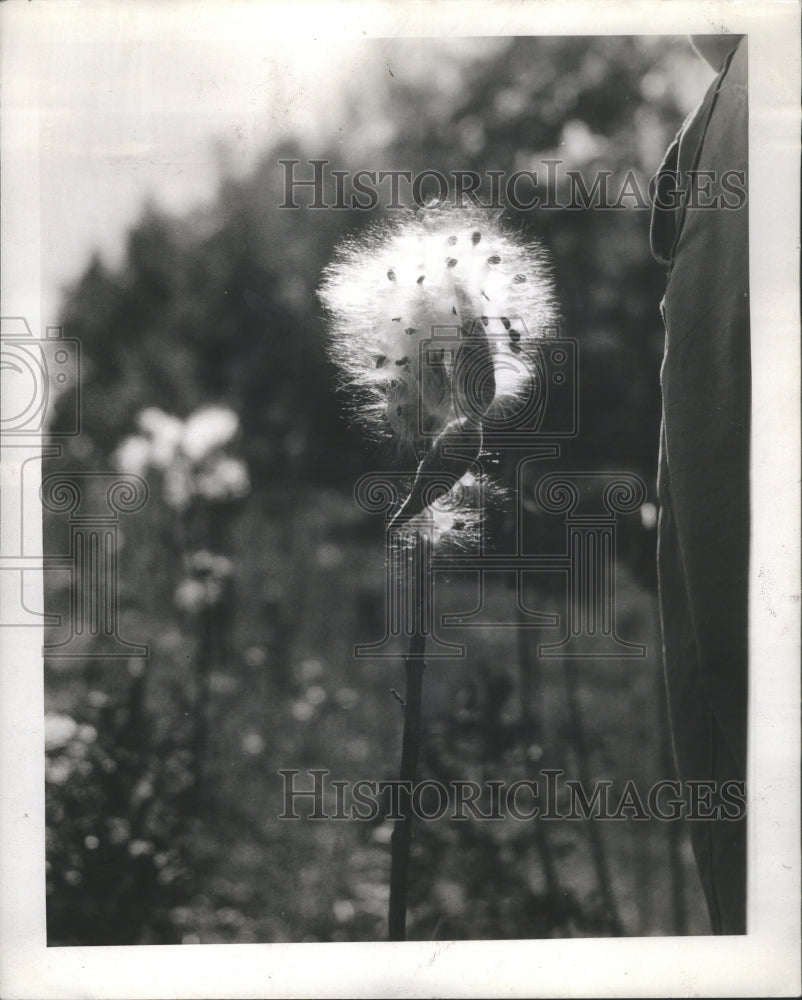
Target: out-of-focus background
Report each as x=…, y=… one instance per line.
x=251, y=573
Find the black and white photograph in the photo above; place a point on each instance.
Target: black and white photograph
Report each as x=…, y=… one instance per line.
x=399, y=547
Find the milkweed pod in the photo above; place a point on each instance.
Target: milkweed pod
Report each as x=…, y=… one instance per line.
x=451, y=455
x=391, y=292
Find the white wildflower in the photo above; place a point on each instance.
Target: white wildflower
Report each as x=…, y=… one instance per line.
x=224, y=478
x=58, y=771
x=59, y=730
x=189, y=454
x=302, y=711
x=455, y=518
x=178, y=487
x=315, y=695
x=207, y=430
x=206, y=585
x=133, y=455
x=252, y=743
x=190, y=596
x=207, y=562
x=165, y=432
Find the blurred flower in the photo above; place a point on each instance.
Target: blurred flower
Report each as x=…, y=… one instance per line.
x=252, y=743
x=178, y=488
x=302, y=711
x=205, y=562
x=190, y=595
x=188, y=453
x=207, y=430
x=181, y=915
x=97, y=699
x=344, y=910
x=315, y=695
x=76, y=750
x=142, y=791
x=579, y=145
x=58, y=771
x=59, y=730
x=224, y=479
x=230, y=917
x=164, y=431
x=382, y=834
x=255, y=656
x=119, y=829
x=220, y=683
x=310, y=670
x=87, y=733
x=648, y=516
x=133, y=455
x=136, y=668
x=206, y=584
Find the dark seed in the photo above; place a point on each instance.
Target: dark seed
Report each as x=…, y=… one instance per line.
x=451, y=241
x=475, y=237
x=506, y=323
x=391, y=274
x=396, y=319
x=495, y=259
x=485, y=320
x=382, y=358
x=410, y=330
x=514, y=336
x=486, y=296
x=519, y=279
x=454, y=310
x=402, y=361
x=459, y=525
x=515, y=348
x=421, y=279
x=451, y=262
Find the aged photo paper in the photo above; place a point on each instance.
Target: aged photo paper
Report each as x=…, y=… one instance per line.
x=399, y=499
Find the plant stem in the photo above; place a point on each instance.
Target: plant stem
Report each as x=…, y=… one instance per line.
x=531, y=728
x=609, y=908
x=414, y=665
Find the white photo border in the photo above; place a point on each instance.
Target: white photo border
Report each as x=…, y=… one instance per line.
x=766, y=961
